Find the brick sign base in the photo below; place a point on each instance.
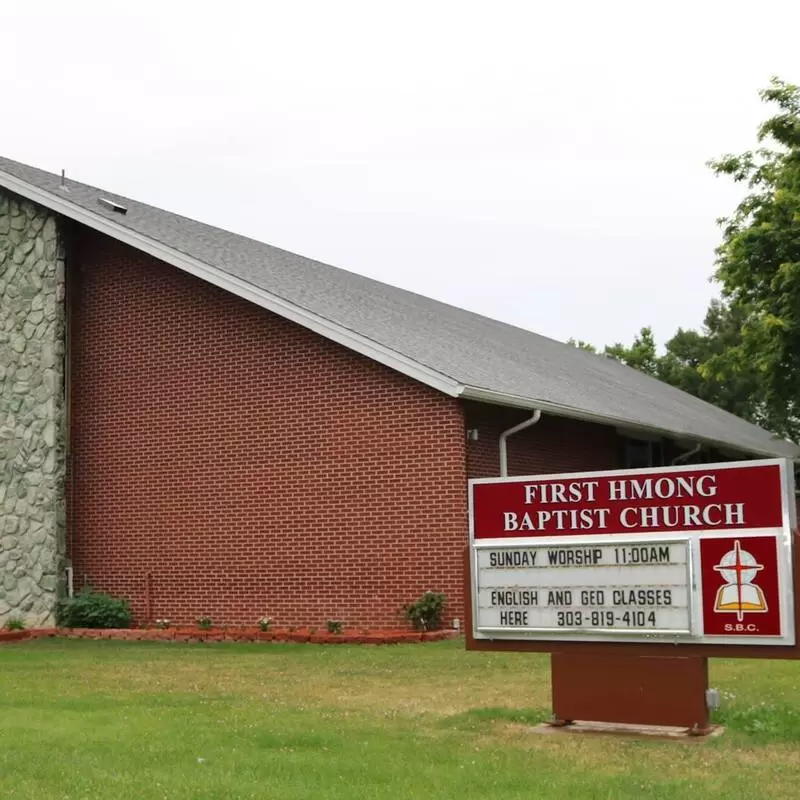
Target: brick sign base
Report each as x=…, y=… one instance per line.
x=634, y=691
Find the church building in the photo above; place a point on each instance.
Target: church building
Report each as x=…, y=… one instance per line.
x=207, y=425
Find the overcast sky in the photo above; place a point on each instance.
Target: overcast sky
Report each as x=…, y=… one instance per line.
x=541, y=163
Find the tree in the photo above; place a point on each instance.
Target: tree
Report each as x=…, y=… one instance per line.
x=689, y=353
x=746, y=358
x=581, y=345
x=684, y=364
x=640, y=355
x=690, y=359
x=758, y=266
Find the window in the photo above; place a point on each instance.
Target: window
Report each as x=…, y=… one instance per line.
x=641, y=453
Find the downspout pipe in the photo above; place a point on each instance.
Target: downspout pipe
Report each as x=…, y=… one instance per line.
x=687, y=455
x=510, y=432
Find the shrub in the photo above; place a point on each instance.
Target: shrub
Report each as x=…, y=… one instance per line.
x=204, y=623
x=162, y=624
x=90, y=609
x=264, y=623
x=14, y=624
x=334, y=626
x=426, y=613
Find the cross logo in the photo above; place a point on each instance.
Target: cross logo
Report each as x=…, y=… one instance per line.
x=739, y=594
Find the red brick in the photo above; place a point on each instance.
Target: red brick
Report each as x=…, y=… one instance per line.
x=240, y=465
x=554, y=444
x=227, y=462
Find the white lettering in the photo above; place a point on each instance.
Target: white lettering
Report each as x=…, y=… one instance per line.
x=559, y=515
x=616, y=490
x=543, y=518
x=734, y=513
x=705, y=490
x=623, y=518
x=510, y=521
x=642, y=490
x=670, y=520
x=691, y=516
x=707, y=519
x=648, y=517
x=527, y=523
x=664, y=488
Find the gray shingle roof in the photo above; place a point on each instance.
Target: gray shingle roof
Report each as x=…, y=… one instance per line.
x=490, y=358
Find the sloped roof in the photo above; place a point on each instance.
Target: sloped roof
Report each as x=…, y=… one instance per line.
x=456, y=351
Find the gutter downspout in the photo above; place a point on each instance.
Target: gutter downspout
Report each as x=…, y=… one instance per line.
x=687, y=455
x=504, y=436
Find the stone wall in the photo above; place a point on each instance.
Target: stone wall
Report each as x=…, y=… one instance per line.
x=32, y=421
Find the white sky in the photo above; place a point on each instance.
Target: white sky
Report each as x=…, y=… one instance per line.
x=541, y=163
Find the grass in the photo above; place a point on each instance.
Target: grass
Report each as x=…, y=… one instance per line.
x=87, y=719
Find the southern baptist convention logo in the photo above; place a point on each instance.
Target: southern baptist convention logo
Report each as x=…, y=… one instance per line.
x=739, y=594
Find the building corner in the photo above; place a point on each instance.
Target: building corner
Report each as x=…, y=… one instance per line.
x=32, y=412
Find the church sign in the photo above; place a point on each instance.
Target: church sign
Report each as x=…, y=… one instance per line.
x=686, y=555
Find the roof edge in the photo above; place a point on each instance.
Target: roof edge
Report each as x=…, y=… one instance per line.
x=247, y=291
x=333, y=331
x=482, y=395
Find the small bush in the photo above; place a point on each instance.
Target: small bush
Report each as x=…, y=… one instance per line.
x=90, y=609
x=426, y=613
x=264, y=623
x=162, y=624
x=333, y=626
x=204, y=623
x=14, y=624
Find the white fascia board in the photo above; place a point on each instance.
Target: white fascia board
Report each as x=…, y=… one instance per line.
x=516, y=401
x=260, y=297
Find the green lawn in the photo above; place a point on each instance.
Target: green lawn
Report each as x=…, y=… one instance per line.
x=83, y=719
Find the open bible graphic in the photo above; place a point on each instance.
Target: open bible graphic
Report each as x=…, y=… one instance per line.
x=739, y=594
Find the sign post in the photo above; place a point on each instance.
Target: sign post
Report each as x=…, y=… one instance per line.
x=632, y=579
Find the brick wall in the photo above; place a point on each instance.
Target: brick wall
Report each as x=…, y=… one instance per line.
x=237, y=464
x=554, y=444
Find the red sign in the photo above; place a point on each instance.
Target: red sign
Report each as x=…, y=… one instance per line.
x=695, y=554
x=741, y=595
x=682, y=499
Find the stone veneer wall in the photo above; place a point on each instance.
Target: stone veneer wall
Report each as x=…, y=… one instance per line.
x=32, y=412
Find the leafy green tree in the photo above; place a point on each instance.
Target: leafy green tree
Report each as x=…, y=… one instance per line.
x=758, y=265
x=686, y=359
x=746, y=357
x=581, y=345
x=640, y=355
x=689, y=352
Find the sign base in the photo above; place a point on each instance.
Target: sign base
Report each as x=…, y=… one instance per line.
x=657, y=732
x=631, y=690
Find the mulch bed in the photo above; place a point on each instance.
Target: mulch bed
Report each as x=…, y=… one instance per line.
x=231, y=634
